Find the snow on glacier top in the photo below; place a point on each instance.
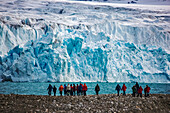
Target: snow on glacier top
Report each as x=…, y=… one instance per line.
x=144, y=2
x=75, y=13
x=78, y=10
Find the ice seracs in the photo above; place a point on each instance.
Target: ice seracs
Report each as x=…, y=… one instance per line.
x=95, y=43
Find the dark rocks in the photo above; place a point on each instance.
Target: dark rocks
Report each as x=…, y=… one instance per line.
x=102, y=103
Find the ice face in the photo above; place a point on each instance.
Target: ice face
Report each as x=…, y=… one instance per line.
x=96, y=43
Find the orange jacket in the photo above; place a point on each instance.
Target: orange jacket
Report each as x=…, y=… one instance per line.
x=84, y=87
x=61, y=88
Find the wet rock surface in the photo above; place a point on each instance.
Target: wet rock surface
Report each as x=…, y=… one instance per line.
x=157, y=103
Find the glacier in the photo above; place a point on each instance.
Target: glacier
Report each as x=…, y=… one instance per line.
x=71, y=41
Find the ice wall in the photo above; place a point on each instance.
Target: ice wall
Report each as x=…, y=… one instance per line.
x=79, y=53
x=117, y=48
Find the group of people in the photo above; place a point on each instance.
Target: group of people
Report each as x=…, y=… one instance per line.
x=136, y=89
x=118, y=88
x=81, y=89
x=69, y=89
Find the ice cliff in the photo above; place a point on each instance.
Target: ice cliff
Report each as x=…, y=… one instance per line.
x=52, y=41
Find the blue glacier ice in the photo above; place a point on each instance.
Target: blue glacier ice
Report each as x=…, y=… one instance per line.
x=103, y=43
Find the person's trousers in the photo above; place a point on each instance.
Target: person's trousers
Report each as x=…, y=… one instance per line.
x=117, y=93
x=60, y=93
x=84, y=93
x=124, y=93
x=97, y=92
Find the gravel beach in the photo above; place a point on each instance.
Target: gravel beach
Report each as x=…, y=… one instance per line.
x=156, y=103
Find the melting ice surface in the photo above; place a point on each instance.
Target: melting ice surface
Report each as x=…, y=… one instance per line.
x=56, y=41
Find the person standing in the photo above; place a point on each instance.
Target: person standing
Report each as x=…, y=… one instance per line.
x=65, y=89
x=140, y=91
x=134, y=90
x=80, y=89
x=77, y=89
x=68, y=90
x=74, y=89
x=124, y=89
x=71, y=91
x=84, y=89
x=97, y=89
x=137, y=87
x=118, y=88
x=147, y=90
x=49, y=89
x=61, y=89
x=54, y=90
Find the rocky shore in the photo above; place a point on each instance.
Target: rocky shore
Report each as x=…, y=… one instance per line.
x=106, y=103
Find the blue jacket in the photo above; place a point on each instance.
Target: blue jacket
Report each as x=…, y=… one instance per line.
x=49, y=88
x=118, y=88
x=80, y=87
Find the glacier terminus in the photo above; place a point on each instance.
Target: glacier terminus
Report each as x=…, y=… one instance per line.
x=72, y=41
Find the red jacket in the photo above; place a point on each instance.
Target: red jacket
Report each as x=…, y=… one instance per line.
x=140, y=90
x=61, y=88
x=148, y=89
x=71, y=88
x=124, y=88
x=84, y=87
